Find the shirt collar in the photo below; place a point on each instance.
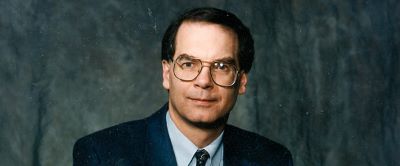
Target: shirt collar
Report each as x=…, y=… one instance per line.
x=183, y=148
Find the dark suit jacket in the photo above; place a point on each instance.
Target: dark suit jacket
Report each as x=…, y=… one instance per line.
x=146, y=142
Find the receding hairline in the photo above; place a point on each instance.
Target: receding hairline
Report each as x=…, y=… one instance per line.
x=223, y=27
x=195, y=21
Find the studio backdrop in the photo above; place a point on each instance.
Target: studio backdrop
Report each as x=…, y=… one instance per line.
x=325, y=81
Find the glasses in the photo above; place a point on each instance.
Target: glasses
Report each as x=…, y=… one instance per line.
x=223, y=73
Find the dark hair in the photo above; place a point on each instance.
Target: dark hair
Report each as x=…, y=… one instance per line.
x=215, y=16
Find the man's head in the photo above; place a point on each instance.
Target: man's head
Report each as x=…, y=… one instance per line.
x=213, y=16
x=207, y=53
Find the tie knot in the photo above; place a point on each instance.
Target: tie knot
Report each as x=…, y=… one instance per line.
x=201, y=157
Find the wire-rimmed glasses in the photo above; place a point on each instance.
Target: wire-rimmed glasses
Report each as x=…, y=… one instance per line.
x=223, y=73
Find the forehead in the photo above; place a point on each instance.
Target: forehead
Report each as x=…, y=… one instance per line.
x=206, y=41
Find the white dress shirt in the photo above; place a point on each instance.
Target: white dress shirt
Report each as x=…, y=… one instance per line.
x=184, y=149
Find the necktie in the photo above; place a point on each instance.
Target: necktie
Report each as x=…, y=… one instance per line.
x=201, y=157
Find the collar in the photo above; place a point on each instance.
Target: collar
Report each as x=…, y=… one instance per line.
x=184, y=149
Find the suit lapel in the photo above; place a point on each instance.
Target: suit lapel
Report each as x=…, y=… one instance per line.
x=232, y=149
x=158, y=147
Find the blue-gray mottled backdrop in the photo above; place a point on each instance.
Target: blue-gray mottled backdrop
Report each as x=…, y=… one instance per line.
x=325, y=83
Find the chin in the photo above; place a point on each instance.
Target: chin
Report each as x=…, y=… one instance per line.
x=210, y=124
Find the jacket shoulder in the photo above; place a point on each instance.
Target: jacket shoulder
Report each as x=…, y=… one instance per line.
x=256, y=148
x=111, y=145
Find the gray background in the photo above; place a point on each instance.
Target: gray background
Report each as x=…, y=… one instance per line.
x=325, y=83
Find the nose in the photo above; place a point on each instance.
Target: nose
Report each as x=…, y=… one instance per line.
x=204, y=80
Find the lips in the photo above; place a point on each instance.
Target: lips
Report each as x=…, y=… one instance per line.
x=202, y=101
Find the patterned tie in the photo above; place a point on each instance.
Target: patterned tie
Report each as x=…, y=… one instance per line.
x=201, y=157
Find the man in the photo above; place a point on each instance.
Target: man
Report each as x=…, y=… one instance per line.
x=206, y=56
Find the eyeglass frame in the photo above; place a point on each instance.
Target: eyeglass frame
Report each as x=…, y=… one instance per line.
x=237, y=71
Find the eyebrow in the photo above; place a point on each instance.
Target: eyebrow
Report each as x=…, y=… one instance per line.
x=229, y=60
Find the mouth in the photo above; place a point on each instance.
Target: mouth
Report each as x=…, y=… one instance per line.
x=202, y=101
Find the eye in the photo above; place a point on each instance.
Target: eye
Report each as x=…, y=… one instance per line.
x=221, y=66
x=187, y=65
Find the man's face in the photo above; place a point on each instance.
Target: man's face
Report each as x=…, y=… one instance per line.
x=201, y=101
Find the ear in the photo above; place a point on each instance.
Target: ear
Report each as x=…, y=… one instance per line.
x=166, y=68
x=243, y=83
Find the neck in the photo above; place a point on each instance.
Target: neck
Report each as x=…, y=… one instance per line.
x=199, y=134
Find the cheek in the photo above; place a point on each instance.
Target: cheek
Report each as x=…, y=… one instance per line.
x=229, y=96
x=177, y=88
